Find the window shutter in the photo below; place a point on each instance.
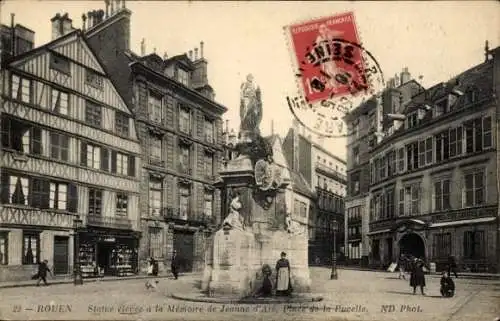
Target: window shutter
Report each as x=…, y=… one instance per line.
x=72, y=198
x=131, y=166
x=5, y=188
x=83, y=153
x=105, y=159
x=45, y=194
x=113, y=161
x=36, y=141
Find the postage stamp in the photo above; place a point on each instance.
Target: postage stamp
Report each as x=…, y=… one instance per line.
x=334, y=72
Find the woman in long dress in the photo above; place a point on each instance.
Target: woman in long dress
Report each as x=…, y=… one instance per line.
x=283, y=285
x=417, y=277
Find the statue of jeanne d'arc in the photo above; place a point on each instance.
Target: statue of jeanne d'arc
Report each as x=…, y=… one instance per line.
x=250, y=106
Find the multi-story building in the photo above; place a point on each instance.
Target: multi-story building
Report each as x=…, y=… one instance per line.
x=180, y=128
x=69, y=153
x=434, y=176
x=325, y=174
x=365, y=126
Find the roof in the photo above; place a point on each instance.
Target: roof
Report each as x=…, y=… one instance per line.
x=322, y=149
x=299, y=185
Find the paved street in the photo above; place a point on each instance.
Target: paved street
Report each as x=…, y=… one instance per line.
x=362, y=291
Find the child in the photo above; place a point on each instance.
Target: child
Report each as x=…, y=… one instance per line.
x=447, y=286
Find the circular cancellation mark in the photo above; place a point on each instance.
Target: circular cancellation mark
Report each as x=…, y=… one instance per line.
x=336, y=76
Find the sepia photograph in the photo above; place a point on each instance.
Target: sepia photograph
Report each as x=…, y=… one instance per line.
x=249, y=160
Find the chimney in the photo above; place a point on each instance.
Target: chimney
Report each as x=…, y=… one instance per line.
x=165, y=56
x=12, y=35
x=143, y=47
x=396, y=81
x=111, y=8
x=405, y=76
x=84, y=18
x=61, y=25
x=195, y=54
x=201, y=49
x=107, y=7
x=190, y=55
x=272, y=126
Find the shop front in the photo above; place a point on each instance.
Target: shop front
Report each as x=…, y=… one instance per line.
x=107, y=252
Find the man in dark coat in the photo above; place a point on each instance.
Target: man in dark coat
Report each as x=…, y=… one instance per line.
x=417, y=277
x=447, y=286
x=43, y=268
x=452, y=266
x=174, y=265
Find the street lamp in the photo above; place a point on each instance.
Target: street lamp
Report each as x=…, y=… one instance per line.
x=77, y=272
x=333, y=275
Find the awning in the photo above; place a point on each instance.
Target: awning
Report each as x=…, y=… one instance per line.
x=464, y=222
x=379, y=232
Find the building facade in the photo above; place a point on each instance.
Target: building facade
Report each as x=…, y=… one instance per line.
x=179, y=126
x=325, y=174
x=434, y=176
x=69, y=151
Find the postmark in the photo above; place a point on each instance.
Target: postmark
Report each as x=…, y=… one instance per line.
x=334, y=73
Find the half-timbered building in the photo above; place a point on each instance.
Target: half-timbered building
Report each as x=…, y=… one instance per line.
x=179, y=126
x=69, y=151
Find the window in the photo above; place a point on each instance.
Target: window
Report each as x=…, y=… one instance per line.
x=58, y=198
x=121, y=204
x=156, y=242
x=60, y=102
x=456, y=141
x=21, y=89
x=20, y=136
x=208, y=204
x=121, y=163
x=421, y=153
x=209, y=164
x=122, y=124
x=401, y=199
x=442, y=195
x=474, y=188
x=209, y=130
x=184, y=204
x=355, y=179
x=412, y=120
x=155, y=197
x=60, y=63
x=95, y=202
x=18, y=190
x=441, y=107
x=401, y=160
x=487, y=137
x=442, y=245
x=4, y=248
x=184, y=120
x=184, y=159
x=59, y=146
x=391, y=165
x=94, y=79
x=183, y=76
x=155, y=151
x=474, y=245
x=93, y=114
x=478, y=134
x=41, y=193
x=303, y=209
x=31, y=247
x=470, y=96
x=442, y=146
x=412, y=199
x=355, y=155
x=155, y=103
x=93, y=156
x=412, y=156
x=428, y=151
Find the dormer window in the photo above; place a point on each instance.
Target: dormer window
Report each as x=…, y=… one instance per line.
x=60, y=63
x=183, y=76
x=470, y=96
x=441, y=107
x=411, y=120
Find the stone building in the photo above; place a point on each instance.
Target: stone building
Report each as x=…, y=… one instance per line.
x=325, y=174
x=365, y=127
x=179, y=126
x=69, y=151
x=434, y=174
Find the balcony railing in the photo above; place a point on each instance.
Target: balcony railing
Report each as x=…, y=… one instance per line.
x=174, y=214
x=328, y=170
x=115, y=222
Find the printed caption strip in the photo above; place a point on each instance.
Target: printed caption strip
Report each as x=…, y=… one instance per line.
x=333, y=73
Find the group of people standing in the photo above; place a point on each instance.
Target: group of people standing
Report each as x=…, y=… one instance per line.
x=174, y=266
x=416, y=267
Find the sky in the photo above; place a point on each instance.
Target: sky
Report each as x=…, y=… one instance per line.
x=435, y=40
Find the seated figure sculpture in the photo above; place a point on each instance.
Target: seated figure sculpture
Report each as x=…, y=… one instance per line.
x=234, y=219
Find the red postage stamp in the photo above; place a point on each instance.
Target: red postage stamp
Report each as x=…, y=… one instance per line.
x=328, y=58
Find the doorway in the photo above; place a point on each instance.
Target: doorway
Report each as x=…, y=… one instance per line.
x=412, y=244
x=104, y=253
x=184, y=245
x=61, y=255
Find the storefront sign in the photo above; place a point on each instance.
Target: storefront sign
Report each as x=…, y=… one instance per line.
x=109, y=239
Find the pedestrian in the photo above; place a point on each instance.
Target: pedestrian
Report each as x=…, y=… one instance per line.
x=43, y=268
x=402, y=266
x=447, y=286
x=417, y=277
x=283, y=284
x=154, y=266
x=452, y=266
x=174, y=265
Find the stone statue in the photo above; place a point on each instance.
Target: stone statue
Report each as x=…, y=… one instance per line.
x=250, y=107
x=234, y=219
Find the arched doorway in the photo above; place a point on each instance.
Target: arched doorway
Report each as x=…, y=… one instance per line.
x=412, y=244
